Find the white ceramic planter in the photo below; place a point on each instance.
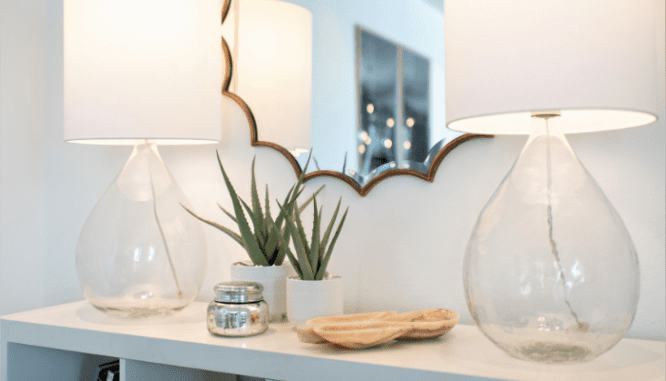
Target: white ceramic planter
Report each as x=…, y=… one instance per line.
x=307, y=299
x=273, y=278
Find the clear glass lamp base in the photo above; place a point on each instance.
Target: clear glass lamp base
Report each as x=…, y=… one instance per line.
x=550, y=272
x=140, y=254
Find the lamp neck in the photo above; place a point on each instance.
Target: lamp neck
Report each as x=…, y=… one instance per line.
x=141, y=146
x=547, y=123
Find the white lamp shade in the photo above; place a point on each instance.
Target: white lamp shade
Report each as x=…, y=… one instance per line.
x=593, y=60
x=273, y=68
x=149, y=69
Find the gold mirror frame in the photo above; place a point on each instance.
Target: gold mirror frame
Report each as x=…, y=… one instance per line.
x=255, y=142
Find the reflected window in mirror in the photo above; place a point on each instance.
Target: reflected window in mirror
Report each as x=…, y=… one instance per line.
x=393, y=121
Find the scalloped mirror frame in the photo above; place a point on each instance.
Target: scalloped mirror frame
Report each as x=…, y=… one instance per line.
x=255, y=142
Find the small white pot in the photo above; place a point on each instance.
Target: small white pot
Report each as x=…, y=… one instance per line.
x=307, y=299
x=273, y=278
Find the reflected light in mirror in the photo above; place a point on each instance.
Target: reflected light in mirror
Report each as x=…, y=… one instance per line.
x=390, y=122
x=407, y=144
x=361, y=149
x=388, y=143
x=410, y=122
x=272, y=54
x=370, y=108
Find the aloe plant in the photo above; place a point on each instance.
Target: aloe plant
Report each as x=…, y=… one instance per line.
x=311, y=259
x=268, y=243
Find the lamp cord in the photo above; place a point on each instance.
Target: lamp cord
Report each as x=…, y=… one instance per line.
x=581, y=326
x=159, y=226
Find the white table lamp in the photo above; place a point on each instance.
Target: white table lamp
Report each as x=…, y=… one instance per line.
x=550, y=273
x=142, y=73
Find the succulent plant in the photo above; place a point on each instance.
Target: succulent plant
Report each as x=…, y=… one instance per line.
x=269, y=242
x=311, y=260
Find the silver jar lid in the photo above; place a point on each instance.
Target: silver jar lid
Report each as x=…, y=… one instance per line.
x=238, y=292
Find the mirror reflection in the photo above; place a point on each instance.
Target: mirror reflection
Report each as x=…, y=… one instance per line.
x=393, y=85
x=377, y=91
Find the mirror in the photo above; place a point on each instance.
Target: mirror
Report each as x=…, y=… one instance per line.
x=377, y=90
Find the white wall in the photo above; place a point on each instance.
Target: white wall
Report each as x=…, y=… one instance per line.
x=22, y=154
x=402, y=246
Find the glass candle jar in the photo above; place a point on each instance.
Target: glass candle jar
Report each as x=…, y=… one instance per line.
x=238, y=309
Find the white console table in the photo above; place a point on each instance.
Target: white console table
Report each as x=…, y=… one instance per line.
x=67, y=342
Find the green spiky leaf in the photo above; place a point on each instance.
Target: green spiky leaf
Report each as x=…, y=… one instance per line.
x=300, y=232
x=314, y=250
x=251, y=245
x=283, y=249
x=228, y=213
x=257, y=215
x=266, y=240
x=301, y=247
x=309, y=200
x=228, y=231
x=311, y=260
x=320, y=255
x=329, y=229
x=292, y=258
x=327, y=257
x=267, y=215
x=272, y=242
x=258, y=237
